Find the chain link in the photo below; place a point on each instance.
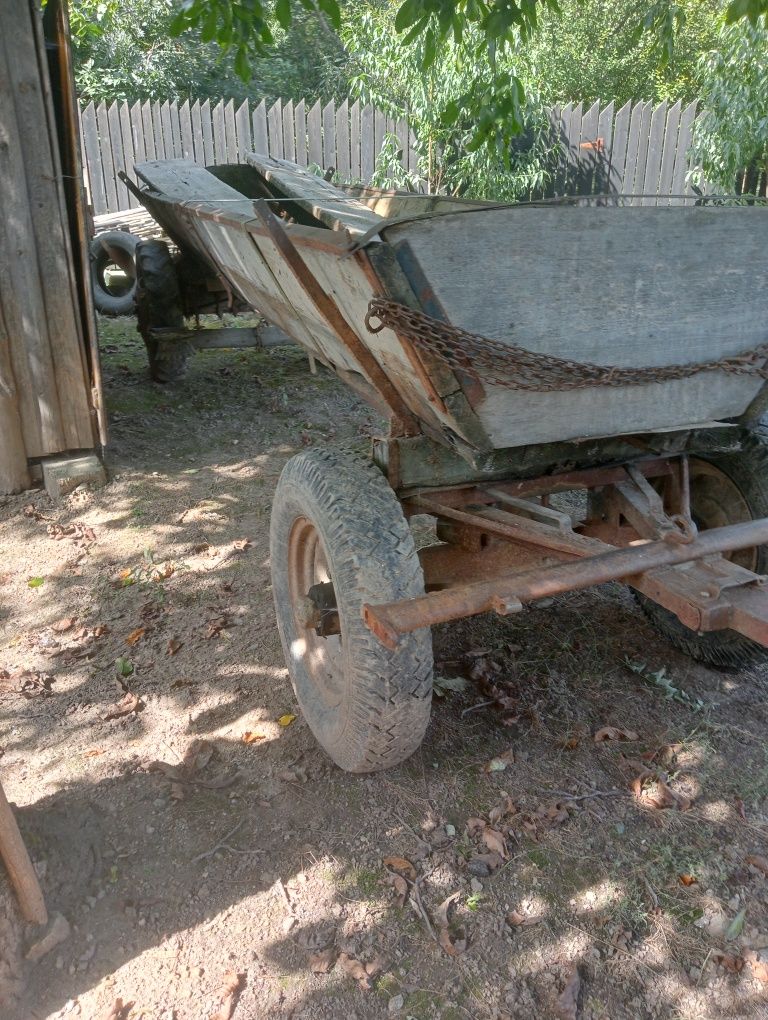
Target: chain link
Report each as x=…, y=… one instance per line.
x=507, y=364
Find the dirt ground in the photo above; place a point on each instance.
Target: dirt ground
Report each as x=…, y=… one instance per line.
x=208, y=857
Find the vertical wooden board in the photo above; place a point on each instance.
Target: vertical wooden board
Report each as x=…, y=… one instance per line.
x=275, y=129
x=14, y=474
x=329, y=136
x=157, y=130
x=243, y=125
x=119, y=161
x=561, y=123
x=185, y=127
x=300, y=120
x=196, y=118
x=315, y=136
x=354, y=142
x=176, y=146
x=289, y=132
x=137, y=135
x=379, y=134
x=219, y=133
x=655, y=147
x=93, y=160
x=206, y=117
x=84, y=162
x=343, y=158
x=628, y=179
x=588, y=152
x=165, y=120
x=643, y=145
x=619, y=148
x=367, y=157
x=230, y=133
x=102, y=121
x=573, y=135
x=130, y=156
x=413, y=153
x=148, y=123
x=680, y=185
x=260, y=137
x=401, y=130
x=602, y=183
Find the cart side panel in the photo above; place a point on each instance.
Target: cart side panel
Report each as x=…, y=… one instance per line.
x=618, y=286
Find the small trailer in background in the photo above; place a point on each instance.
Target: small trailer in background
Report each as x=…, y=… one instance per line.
x=616, y=354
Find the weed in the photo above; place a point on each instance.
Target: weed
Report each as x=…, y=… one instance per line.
x=473, y=902
x=661, y=682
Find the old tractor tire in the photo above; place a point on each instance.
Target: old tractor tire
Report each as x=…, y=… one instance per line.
x=725, y=489
x=113, y=247
x=337, y=525
x=158, y=305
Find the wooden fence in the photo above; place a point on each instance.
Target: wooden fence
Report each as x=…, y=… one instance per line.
x=638, y=150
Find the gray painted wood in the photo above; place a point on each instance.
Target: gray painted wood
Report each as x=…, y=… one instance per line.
x=209, y=151
x=289, y=132
x=259, y=121
x=314, y=136
x=329, y=136
x=275, y=129
x=379, y=133
x=243, y=128
x=343, y=160
x=300, y=120
x=668, y=153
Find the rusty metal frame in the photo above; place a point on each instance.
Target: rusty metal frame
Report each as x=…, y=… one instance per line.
x=505, y=547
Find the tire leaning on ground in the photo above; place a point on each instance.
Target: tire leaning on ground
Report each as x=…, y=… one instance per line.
x=113, y=247
x=335, y=519
x=158, y=305
x=725, y=489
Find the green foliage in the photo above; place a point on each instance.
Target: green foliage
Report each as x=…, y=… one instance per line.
x=732, y=131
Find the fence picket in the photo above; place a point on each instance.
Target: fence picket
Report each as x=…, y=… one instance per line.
x=668, y=155
x=401, y=130
x=366, y=144
x=137, y=134
x=243, y=127
x=655, y=146
x=628, y=178
x=165, y=121
x=275, y=127
x=219, y=136
x=315, y=136
x=178, y=150
x=300, y=131
x=588, y=151
x=680, y=185
x=379, y=133
x=289, y=132
x=230, y=133
x=93, y=158
x=127, y=199
x=602, y=181
x=619, y=146
x=185, y=126
x=209, y=152
x=260, y=137
x=343, y=161
x=329, y=136
x=106, y=156
x=157, y=131
x=643, y=142
x=354, y=141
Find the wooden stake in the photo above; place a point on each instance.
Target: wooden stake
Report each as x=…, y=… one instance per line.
x=20, y=871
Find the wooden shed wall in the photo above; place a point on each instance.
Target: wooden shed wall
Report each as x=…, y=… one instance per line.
x=45, y=404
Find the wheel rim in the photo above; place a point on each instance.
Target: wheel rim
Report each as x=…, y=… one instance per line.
x=322, y=657
x=717, y=501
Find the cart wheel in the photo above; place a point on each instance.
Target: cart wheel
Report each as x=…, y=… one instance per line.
x=725, y=489
x=339, y=539
x=158, y=304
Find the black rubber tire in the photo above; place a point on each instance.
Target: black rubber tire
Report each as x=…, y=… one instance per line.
x=158, y=304
x=385, y=697
x=104, y=300
x=747, y=470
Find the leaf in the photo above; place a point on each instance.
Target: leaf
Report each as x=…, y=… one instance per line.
x=475, y=825
x=400, y=887
x=249, y=737
x=356, y=970
x=64, y=624
x=35, y=582
x=758, y=965
x=734, y=964
x=123, y=666
x=758, y=861
x=283, y=13
x=500, y=762
x=197, y=755
x=134, y=636
x=322, y=962
x=401, y=866
x=736, y=925
x=233, y=984
x=128, y=704
x=613, y=733
x=444, y=911
x=687, y=880
x=93, y=753
x=286, y=720
x=568, y=1000
x=494, y=840
x=517, y=920
x=442, y=684
x=454, y=943
x=174, y=645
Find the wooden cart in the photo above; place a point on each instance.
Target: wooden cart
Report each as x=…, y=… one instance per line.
x=519, y=352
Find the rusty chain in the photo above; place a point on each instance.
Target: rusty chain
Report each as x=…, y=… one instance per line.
x=507, y=364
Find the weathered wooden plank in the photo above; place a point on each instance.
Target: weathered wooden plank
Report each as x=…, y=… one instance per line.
x=315, y=136
x=643, y=145
x=230, y=132
x=275, y=127
x=289, y=132
x=354, y=141
x=619, y=147
x=367, y=151
x=602, y=179
x=14, y=474
x=379, y=134
x=124, y=113
x=560, y=120
x=573, y=134
x=260, y=136
x=243, y=126
x=329, y=136
x=343, y=158
x=668, y=154
x=107, y=163
x=137, y=134
x=680, y=185
x=413, y=154
x=173, y=113
x=197, y=132
x=401, y=130
x=149, y=131
x=630, y=164
x=157, y=130
x=209, y=149
x=93, y=160
x=165, y=120
x=655, y=146
x=219, y=133
x=185, y=126
x=300, y=119
x=119, y=159
x=588, y=153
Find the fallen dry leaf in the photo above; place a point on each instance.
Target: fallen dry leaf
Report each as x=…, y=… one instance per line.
x=286, y=720
x=136, y=635
x=216, y=626
x=400, y=887
x=500, y=762
x=127, y=705
x=233, y=983
x=484, y=864
x=507, y=807
x=401, y=866
x=356, y=970
x=454, y=943
x=322, y=962
x=475, y=825
x=249, y=737
x=64, y=624
x=568, y=1001
x=758, y=861
x=197, y=755
x=517, y=920
x=735, y=964
x=174, y=645
x=687, y=879
x=659, y=795
x=613, y=733
x=758, y=966
x=444, y=911
x=494, y=840
x=94, y=753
